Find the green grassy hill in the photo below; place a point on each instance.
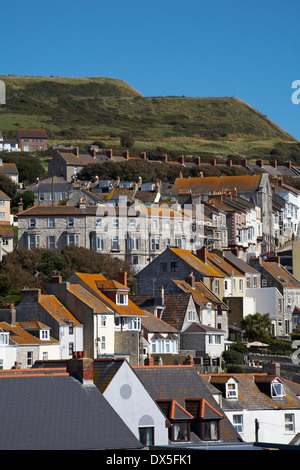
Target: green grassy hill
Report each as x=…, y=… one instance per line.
x=87, y=109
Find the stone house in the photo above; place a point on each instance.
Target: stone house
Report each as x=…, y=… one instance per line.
x=136, y=233
x=175, y=264
x=255, y=188
x=50, y=191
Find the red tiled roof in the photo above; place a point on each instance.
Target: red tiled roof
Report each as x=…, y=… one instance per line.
x=215, y=184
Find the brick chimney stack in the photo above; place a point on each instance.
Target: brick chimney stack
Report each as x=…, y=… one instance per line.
x=213, y=161
x=143, y=156
x=122, y=278
x=259, y=162
x=109, y=153
x=81, y=367
x=201, y=253
x=273, y=163
x=244, y=162
x=288, y=164
x=197, y=161
x=229, y=163
x=181, y=159
x=164, y=158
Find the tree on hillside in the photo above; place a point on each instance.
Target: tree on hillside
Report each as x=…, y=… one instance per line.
x=34, y=268
x=126, y=140
x=8, y=186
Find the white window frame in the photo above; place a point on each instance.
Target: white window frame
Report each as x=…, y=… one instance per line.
x=289, y=422
x=122, y=299
x=277, y=390
x=191, y=315
x=231, y=389
x=76, y=239
x=238, y=422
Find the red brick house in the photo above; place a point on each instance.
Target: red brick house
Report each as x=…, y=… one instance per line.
x=32, y=139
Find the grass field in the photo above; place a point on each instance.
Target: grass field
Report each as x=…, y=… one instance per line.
x=82, y=110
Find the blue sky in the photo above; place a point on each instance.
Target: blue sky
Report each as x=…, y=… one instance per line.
x=247, y=49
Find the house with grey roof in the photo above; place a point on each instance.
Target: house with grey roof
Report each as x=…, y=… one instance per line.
x=262, y=407
x=184, y=396
x=49, y=409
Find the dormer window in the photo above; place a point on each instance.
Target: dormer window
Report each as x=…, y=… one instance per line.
x=231, y=389
x=277, y=389
x=44, y=335
x=122, y=299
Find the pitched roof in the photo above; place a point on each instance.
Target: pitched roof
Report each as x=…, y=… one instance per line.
x=104, y=370
x=57, y=310
x=32, y=133
x=195, y=263
x=281, y=274
x=182, y=383
x=251, y=393
x=239, y=263
x=90, y=283
x=44, y=410
x=19, y=335
x=215, y=184
x=200, y=328
x=222, y=265
x=175, y=307
x=201, y=294
x=86, y=297
x=59, y=210
x=154, y=324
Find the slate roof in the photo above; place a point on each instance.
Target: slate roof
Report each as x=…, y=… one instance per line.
x=153, y=324
x=253, y=392
x=175, y=307
x=201, y=294
x=183, y=383
x=43, y=410
x=104, y=370
x=239, y=263
x=281, y=274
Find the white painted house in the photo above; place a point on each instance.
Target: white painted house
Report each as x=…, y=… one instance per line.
x=129, y=398
x=261, y=406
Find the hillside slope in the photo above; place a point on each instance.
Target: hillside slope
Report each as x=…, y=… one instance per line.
x=97, y=107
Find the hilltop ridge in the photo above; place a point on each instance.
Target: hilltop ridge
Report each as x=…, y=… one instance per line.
x=101, y=108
